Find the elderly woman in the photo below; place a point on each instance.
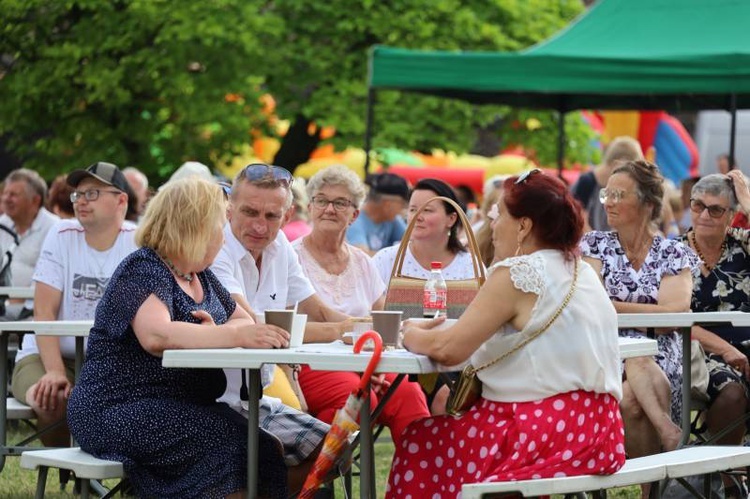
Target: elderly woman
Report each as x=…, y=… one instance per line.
x=723, y=284
x=547, y=332
x=644, y=272
x=163, y=424
x=346, y=279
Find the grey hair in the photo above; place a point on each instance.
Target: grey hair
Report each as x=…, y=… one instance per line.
x=338, y=175
x=138, y=174
x=35, y=184
x=716, y=184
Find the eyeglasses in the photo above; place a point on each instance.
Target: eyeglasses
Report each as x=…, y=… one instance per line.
x=714, y=211
x=613, y=195
x=259, y=171
x=90, y=195
x=339, y=204
x=525, y=175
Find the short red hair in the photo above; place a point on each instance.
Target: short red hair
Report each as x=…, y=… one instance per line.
x=545, y=199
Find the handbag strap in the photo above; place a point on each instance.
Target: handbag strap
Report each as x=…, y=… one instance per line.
x=542, y=329
x=473, y=247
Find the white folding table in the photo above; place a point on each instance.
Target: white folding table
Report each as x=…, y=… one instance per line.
x=330, y=357
x=78, y=329
x=683, y=322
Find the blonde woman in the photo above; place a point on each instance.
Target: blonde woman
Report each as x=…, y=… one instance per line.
x=165, y=425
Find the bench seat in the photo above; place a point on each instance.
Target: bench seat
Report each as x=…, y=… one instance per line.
x=18, y=410
x=675, y=464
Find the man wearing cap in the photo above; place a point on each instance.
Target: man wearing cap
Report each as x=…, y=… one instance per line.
x=261, y=271
x=77, y=259
x=379, y=223
x=23, y=201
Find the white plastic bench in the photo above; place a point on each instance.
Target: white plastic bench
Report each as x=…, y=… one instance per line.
x=85, y=466
x=675, y=464
x=18, y=410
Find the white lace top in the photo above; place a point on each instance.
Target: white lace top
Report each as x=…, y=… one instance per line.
x=351, y=292
x=579, y=351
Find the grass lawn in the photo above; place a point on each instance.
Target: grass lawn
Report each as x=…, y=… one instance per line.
x=16, y=482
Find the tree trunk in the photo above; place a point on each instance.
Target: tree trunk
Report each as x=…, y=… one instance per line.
x=298, y=145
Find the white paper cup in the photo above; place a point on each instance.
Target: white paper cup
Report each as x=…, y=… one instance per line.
x=298, y=330
x=360, y=328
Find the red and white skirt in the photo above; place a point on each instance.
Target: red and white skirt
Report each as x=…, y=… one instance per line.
x=575, y=433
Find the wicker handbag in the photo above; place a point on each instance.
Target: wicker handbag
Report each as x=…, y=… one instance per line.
x=405, y=293
x=467, y=389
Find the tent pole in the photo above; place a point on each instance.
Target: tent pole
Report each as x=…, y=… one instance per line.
x=561, y=141
x=732, y=129
x=368, y=127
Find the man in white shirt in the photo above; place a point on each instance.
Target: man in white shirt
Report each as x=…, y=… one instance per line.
x=77, y=260
x=260, y=269
x=23, y=200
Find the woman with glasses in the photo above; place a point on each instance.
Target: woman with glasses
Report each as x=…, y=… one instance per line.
x=723, y=284
x=547, y=334
x=644, y=272
x=347, y=281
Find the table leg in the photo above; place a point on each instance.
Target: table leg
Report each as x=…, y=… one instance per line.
x=4, y=394
x=366, y=452
x=686, y=385
x=253, y=437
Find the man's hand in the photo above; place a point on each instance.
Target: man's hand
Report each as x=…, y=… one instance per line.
x=50, y=389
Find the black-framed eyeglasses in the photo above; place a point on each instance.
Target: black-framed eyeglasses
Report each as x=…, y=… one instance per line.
x=525, y=175
x=339, y=204
x=89, y=195
x=714, y=210
x=259, y=171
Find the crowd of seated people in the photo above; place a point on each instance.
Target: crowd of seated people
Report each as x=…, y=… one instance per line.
x=226, y=258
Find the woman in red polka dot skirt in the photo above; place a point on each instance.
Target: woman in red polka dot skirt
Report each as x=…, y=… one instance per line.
x=550, y=405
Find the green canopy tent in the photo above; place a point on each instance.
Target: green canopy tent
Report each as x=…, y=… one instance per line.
x=621, y=54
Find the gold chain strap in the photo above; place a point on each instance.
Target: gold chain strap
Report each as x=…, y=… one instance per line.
x=542, y=329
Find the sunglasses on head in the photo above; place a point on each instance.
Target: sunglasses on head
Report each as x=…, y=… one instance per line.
x=260, y=171
x=525, y=175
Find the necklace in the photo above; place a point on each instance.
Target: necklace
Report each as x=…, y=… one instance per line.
x=187, y=276
x=700, y=253
x=632, y=256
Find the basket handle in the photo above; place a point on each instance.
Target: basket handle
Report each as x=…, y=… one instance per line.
x=473, y=247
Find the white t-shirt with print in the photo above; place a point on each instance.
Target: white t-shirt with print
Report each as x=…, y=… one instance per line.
x=67, y=263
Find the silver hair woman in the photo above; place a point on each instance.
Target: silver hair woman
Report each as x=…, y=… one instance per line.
x=723, y=284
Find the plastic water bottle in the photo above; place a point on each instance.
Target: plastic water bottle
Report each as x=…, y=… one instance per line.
x=435, y=292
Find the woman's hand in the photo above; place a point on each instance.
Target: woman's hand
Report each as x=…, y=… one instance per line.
x=737, y=360
x=204, y=317
x=740, y=189
x=411, y=328
x=379, y=384
x=261, y=335
x=47, y=390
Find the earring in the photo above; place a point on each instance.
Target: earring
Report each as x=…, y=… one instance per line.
x=518, y=249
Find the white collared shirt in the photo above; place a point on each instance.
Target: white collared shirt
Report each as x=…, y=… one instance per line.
x=30, y=242
x=279, y=284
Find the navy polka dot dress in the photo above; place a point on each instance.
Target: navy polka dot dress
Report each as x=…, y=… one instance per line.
x=163, y=424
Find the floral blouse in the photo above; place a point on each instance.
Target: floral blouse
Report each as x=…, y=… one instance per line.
x=727, y=286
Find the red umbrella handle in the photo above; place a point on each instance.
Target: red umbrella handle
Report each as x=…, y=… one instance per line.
x=378, y=351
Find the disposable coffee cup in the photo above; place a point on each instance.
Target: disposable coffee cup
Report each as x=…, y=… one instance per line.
x=282, y=318
x=360, y=327
x=298, y=330
x=388, y=324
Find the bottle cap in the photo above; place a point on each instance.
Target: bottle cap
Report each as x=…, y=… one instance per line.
x=436, y=265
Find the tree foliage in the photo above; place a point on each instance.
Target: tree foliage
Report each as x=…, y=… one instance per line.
x=131, y=81
x=154, y=83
